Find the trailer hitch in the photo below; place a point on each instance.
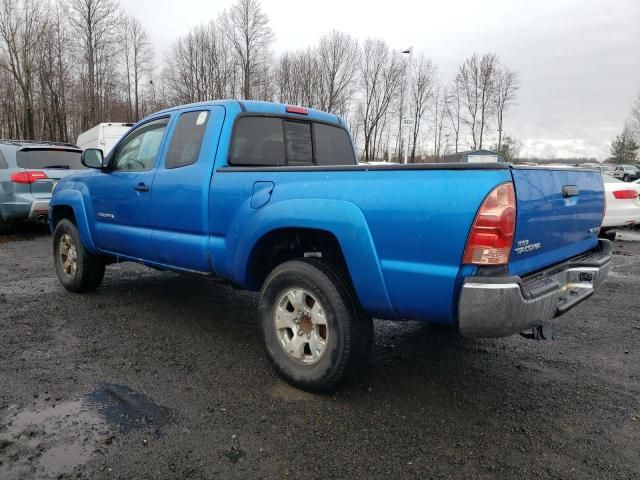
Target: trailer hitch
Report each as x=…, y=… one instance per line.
x=541, y=332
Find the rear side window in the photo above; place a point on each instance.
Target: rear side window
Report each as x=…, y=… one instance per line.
x=3, y=162
x=43, y=158
x=333, y=146
x=186, y=141
x=266, y=141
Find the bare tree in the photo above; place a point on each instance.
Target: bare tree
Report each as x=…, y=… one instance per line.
x=635, y=117
x=477, y=78
x=95, y=25
x=9, y=121
x=439, y=117
x=200, y=67
x=381, y=72
x=421, y=95
x=248, y=31
x=55, y=76
x=138, y=60
x=337, y=68
x=298, y=78
x=452, y=107
x=504, y=93
x=22, y=26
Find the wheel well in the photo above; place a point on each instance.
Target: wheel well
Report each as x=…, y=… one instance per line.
x=63, y=211
x=286, y=244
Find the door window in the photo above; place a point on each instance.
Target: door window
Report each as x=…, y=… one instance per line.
x=186, y=140
x=138, y=152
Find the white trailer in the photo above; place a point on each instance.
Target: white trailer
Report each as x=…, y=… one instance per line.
x=103, y=136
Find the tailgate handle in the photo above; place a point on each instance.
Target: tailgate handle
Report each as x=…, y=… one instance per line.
x=569, y=191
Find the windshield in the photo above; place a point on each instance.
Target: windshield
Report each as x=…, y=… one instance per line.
x=43, y=158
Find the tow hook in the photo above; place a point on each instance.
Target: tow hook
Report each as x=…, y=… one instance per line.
x=541, y=332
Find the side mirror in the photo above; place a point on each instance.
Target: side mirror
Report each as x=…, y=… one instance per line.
x=93, y=158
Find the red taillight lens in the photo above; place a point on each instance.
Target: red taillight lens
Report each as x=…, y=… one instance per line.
x=491, y=236
x=28, y=177
x=297, y=110
x=625, y=194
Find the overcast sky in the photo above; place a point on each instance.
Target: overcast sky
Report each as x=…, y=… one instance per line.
x=578, y=60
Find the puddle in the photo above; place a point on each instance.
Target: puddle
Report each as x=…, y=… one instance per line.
x=125, y=409
x=48, y=441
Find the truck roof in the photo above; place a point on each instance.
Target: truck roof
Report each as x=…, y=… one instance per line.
x=258, y=107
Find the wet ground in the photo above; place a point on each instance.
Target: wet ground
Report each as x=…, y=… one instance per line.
x=158, y=375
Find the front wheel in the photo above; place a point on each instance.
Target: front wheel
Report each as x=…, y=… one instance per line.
x=314, y=332
x=625, y=178
x=78, y=270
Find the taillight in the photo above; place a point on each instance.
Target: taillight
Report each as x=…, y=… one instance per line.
x=297, y=110
x=625, y=194
x=491, y=236
x=28, y=177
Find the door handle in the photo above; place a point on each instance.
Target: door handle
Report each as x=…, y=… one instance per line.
x=141, y=187
x=569, y=191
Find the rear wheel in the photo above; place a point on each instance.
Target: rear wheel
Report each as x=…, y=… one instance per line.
x=314, y=333
x=78, y=270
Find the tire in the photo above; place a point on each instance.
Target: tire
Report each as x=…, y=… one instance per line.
x=78, y=270
x=320, y=294
x=625, y=178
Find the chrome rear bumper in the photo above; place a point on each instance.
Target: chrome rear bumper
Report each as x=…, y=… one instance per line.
x=501, y=306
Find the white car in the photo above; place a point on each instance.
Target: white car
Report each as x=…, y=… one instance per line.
x=622, y=203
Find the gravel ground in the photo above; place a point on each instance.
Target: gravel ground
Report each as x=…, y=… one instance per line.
x=158, y=375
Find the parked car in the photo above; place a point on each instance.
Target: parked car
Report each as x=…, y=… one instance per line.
x=622, y=203
x=607, y=169
x=103, y=136
x=626, y=173
x=271, y=198
x=28, y=173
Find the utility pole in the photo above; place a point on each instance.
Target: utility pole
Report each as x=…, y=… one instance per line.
x=407, y=122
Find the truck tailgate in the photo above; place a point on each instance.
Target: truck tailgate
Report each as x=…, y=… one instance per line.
x=559, y=213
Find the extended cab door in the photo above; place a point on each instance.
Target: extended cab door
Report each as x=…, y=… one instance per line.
x=180, y=193
x=121, y=196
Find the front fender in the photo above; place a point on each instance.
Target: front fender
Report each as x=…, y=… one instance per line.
x=74, y=200
x=343, y=219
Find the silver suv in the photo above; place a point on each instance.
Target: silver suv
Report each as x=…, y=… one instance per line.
x=28, y=173
x=626, y=173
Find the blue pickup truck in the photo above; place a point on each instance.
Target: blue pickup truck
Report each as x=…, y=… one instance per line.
x=271, y=198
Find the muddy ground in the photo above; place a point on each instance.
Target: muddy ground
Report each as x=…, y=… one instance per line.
x=158, y=375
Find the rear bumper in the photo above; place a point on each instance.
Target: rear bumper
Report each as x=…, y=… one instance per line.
x=39, y=208
x=501, y=306
x=24, y=209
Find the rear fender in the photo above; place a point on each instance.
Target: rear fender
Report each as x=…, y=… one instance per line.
x=342, y=219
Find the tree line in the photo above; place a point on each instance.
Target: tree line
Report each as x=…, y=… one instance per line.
x=67, y=65
x=625, y=147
